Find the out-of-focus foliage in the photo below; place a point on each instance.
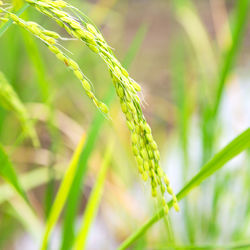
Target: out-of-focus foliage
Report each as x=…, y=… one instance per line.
x=191, y=59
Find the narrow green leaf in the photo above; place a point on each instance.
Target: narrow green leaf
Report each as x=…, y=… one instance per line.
x=238, y=245
x=99, y=119
x=235, y=147
x=94, y=201
x=62, y=194
x=10, y=100
x=240, y=20
x=7, y=171
x=5, y=27
x=29, y=180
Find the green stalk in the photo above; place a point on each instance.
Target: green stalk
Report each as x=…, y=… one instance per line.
x=94, y=201
x=235, y=147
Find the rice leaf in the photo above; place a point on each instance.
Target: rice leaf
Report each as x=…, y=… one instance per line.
x=8, y=172
x=240, y=20
x=94, y=201
x=62, y=194
x=235, y=147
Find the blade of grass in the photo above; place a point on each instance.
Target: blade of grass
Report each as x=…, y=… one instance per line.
x=184, y=104
x=99, y=119
x=29, y=180
x=27, y=217
x=210, y=113
x=8, y=172
x=62, y=194
x=94, y=201
x=235, y=147
x=192, y=24
x=240, y=245
x=240, y=20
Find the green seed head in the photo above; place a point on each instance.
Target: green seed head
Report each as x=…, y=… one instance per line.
x=91, y=29
x=120, y=91
x=90, y=94
x=166, y=180
x=61, y=14
x=130, y=125
x=140, y=168
x=144, y=176
x=147, y=128
x=118, y=72
x=14, y=18
x=131, y=107
x=163, y=189
x=149, y=137
x=153, y=145
x=169, y=189
x=134, y=138
x=176, y=206
x=86, y=85
x=157, y=155
x=135, y=150
x=135, y=85
x=79, y=75
x=103, y=107
x=144, y=153
x=60, y=56
x=159, y=171
x=166, y=209
x=139, y=160
x=51, y=34
x=124, y=107
x=60, y=4
x=54, y=49
x=129, y=116
x=93, y=48
x=154, y=192
x=73, y=64
x=124, y=72
x=146, y=165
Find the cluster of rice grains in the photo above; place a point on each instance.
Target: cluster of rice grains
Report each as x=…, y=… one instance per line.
x=80, y=27
x=50, y=39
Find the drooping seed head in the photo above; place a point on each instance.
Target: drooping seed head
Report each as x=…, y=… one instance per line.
x=93, y=48
x=146, y=165
x=73, y=64
x=139, y=160
x=135, y=85
x=92, y=29
x=166, y=209
x=86, y=85
x=130, y=125
x=135, y=150
x=144, y=176
x=54, y=49
x=169, y=189
x=78, y=74
x=176, y=206
x=51, y=34
x=103, y=107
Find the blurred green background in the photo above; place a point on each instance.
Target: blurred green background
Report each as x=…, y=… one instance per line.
x=192, y=60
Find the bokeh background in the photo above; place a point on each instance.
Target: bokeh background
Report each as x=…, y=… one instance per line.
x=178, y=51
